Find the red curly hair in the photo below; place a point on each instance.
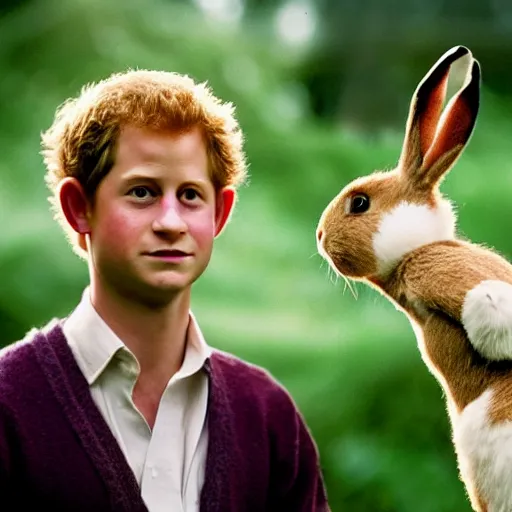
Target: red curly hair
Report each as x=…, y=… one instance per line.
x=81, y=141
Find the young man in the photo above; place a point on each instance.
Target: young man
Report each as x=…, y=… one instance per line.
x=122, y=405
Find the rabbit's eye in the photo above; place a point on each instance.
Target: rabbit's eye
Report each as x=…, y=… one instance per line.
x=359, y=203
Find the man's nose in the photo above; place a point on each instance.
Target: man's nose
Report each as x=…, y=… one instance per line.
x=169, y=218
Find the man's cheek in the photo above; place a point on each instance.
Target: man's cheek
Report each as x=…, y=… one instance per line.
x=203, y=237
x=119, y=233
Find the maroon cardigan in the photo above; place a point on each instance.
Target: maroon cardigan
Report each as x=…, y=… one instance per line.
x=57, y=452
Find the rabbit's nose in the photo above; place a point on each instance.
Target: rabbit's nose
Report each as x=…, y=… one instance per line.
x=319, y=235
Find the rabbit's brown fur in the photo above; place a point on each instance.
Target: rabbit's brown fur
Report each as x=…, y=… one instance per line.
x=455, y=267
x=457, y=295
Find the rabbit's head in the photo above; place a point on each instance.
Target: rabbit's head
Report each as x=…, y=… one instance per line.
x=375, y=220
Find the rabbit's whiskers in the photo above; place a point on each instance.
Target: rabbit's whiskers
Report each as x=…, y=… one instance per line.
x=348, y=284
x=334, y=277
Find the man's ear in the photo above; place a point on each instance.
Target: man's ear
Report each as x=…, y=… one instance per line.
x=75, y=206
x=226, y=198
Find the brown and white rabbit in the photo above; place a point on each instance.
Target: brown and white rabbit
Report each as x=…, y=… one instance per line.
x=396, y=232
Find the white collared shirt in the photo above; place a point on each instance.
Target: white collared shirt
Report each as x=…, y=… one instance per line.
x=168, y=462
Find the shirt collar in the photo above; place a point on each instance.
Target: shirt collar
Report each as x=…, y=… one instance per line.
x=94, y=344
x=197, y=351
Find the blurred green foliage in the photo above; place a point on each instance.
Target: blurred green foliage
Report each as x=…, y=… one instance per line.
x=351, y=364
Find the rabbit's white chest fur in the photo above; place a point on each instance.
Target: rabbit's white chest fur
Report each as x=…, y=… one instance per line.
x=409, y=226
x=485, y=453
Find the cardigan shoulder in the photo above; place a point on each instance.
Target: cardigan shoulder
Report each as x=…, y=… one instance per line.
x=248, y=378
x=18, y=366
x=47, y=414
x=254, y=387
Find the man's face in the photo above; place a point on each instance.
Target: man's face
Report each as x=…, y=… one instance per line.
x=154, y=219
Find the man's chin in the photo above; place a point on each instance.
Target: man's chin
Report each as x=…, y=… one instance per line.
x=162, y=286
x=168, y=288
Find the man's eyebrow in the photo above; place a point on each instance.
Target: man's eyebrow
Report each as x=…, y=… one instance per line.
x=134, y=176
x=143, y=176
x=139, y=174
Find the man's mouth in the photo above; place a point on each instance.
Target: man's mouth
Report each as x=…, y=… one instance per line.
x=167, y=252
x=171, y=256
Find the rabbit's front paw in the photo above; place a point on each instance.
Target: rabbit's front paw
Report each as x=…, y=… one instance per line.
x=487, y=318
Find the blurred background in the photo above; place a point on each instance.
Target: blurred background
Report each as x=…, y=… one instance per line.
x=322, y=89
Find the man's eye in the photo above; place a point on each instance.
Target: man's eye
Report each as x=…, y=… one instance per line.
x=141, y=192
x=189, y=194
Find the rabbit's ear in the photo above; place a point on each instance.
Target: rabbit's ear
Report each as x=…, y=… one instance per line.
x=433, y=142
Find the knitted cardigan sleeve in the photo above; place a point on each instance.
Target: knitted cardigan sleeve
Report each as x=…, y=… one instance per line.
x=261, y=456
x=296, y=480
x=5, y=454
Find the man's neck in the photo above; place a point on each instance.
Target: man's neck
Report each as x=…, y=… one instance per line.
x=156, y=336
